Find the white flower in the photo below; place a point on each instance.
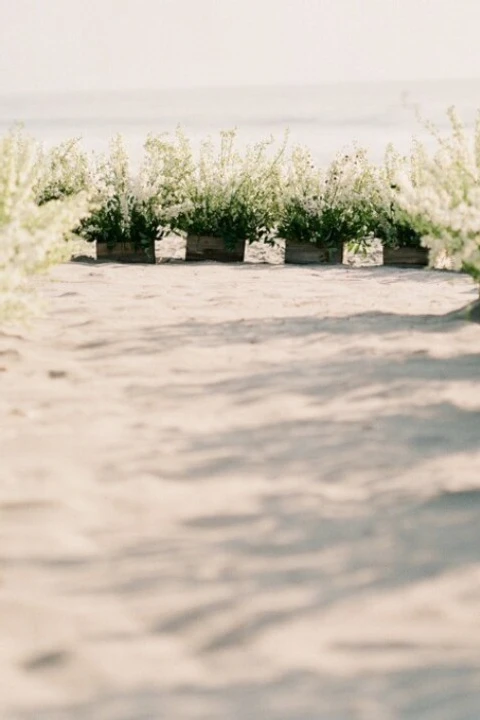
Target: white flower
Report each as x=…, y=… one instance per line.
x=442, y=196
x=32, y=236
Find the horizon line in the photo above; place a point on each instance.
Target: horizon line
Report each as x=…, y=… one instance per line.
x=239, y=86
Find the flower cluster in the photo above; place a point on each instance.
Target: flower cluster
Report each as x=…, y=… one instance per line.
x=220, y=191
x=441, y=196
x=393, y=225
x=32, y=235
x=64, y=170
x=254, y=194
x=340, y=204
x=123, y=206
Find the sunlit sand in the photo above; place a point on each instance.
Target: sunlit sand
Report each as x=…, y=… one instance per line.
x=240, y=492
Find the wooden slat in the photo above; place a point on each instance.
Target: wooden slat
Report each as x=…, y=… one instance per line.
x=202, y=247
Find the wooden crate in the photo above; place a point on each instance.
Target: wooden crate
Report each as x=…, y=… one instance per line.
x=405, y=256
x=203, y=247
x=126, y=253
x=309, y=253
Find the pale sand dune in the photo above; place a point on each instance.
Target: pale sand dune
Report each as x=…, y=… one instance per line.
x=241, y=492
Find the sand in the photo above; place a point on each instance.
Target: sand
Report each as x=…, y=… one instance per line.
x=241, y=492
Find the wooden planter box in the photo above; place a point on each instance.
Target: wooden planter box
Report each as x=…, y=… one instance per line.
x=126, y=252
x=309, y=253
x=204, y=247
x=405, y=256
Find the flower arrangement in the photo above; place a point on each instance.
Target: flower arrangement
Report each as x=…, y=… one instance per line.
x=221, y=192
x=123, y=206
x=393, y=225
x=426, y=199
x=441, y=197
x=32, y=235
x=64, y=171
x=329, y=207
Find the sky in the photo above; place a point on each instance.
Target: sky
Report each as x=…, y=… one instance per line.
x=77, y=45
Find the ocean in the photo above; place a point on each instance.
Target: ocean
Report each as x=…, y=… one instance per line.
x=326, y=118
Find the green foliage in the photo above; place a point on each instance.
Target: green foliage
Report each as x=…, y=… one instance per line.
x=122, y=210
x=395, y=228
x=220, y=192
x=439, y=193
x=63, y=171
x=329, y=207
x=431, y=199
x=33, y=236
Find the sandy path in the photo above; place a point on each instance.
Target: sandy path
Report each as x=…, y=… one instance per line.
x=234, y=493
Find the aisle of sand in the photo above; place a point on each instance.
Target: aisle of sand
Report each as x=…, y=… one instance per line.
x=241, y=492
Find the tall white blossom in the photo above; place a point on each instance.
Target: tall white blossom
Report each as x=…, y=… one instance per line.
x=218, y=190
x=442, y=196
x=32, y=236
x=333, y=205
x=64, y=170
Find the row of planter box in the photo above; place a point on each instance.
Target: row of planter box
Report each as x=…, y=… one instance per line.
x=212, y=248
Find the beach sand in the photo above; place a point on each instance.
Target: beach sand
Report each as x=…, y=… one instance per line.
x=241, y=492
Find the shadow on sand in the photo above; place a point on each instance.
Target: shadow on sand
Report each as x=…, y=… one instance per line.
x=390, y=540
